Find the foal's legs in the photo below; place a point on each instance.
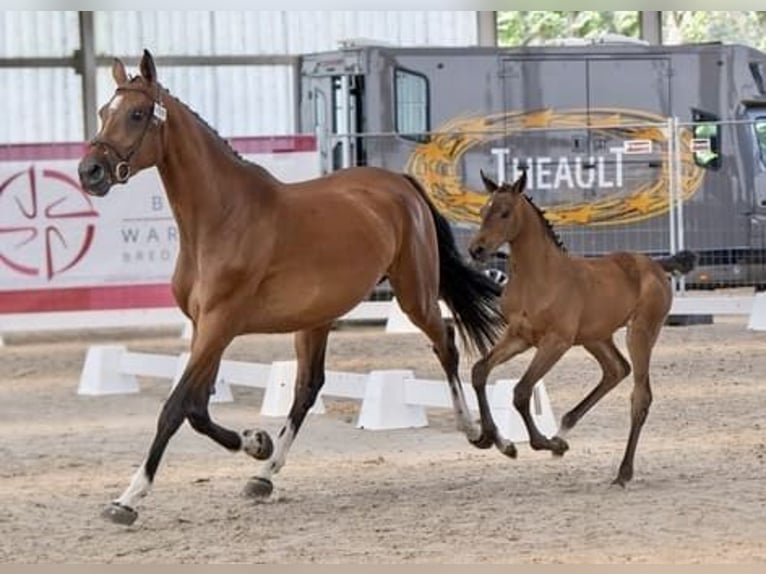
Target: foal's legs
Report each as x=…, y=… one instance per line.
x=506, y=348
x=310, y=347
x=614, y=367
x=549, y=351
x=641, y=336
x=188, y=400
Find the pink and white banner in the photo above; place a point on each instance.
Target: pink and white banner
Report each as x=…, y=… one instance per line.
x=63, y=250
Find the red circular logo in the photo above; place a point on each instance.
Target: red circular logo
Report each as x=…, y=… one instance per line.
x=47, y=223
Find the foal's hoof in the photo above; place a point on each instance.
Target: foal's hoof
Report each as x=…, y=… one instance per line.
x=257, y=443
x=558, y=446
x=258, y=487
x=507, y=448
x=119, y=514
x=484, y=441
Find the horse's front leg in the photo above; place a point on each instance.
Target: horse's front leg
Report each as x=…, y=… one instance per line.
x=506, y=348
x=188, y=400
x=310, y=347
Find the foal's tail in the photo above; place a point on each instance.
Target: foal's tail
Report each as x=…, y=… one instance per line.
x=679, y=263
x=470, y=295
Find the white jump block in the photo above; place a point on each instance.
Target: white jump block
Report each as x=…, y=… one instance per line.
x=508, y=420
x=280, y=391
x=101, y=374
x=398, y=322
x=757, y=320
x=384, y=405
x=222, y=390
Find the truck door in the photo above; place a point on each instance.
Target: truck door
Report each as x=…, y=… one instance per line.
x=332, y=107
x=546, y=116
x=757, y=268
x=625, y=89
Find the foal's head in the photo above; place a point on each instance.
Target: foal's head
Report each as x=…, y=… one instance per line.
x=131, y=127
x=501, y=216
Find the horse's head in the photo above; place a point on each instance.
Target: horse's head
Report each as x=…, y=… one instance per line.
x=131, y=127
x=500, y=216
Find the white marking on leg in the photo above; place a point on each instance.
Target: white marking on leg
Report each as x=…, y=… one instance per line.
x=139, y=487
x=277, y=460
x=464, y=422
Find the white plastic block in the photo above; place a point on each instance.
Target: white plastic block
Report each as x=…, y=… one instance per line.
x=757, y=320
x=222, y=390
x=397, y=321
x=507, y=418
x=384, y=405
x=280, y=391
x=101, y=372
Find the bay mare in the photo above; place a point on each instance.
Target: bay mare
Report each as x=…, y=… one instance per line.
x=260, y=256
x=554, y=300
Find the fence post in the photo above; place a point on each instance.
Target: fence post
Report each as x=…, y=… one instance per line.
x=280, y=391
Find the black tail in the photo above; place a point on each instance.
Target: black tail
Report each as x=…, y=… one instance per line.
x=679, y=263
x=470, y=295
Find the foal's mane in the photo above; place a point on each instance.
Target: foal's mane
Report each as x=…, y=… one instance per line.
x=549, y=231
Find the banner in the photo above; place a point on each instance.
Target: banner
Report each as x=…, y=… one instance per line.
x=61, y=249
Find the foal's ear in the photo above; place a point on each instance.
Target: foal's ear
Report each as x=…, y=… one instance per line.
x=521, y=183
x=118, y=72
x=148, y=71
x=489, y=184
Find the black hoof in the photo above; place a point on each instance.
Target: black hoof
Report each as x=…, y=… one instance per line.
x=119, y=514
x=258, y=444
x=508, y=449
x=483, y=442
x=258, y=487
x=558, y=446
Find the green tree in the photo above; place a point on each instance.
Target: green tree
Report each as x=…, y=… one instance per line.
x=679, y=26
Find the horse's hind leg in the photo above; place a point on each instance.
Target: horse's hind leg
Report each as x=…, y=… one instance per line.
x=418, y=298
x=310, y=347
x=614, y=369
x=642, y=334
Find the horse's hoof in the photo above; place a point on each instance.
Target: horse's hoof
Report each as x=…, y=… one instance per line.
x=119, y=514
x=258, y=444
x=483, y=442
x=558, y=446
x=508, y=449
x=258, y=487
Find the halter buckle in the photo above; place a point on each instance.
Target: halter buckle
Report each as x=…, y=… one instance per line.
x=122, y=172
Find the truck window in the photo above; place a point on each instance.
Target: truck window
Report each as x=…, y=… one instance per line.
x=759, y=125
x=706, y=126
x=411, y=103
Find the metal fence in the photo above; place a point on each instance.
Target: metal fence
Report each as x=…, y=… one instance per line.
x=606, y=183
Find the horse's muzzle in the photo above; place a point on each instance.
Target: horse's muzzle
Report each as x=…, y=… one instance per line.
x=94, y=176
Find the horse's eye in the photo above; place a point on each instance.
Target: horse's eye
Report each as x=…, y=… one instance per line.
x=505, y=213
x=137, y=115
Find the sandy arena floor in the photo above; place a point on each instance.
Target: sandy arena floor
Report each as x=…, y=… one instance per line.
x=349, y=495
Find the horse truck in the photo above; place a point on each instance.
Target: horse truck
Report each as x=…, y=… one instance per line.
x=591, y=123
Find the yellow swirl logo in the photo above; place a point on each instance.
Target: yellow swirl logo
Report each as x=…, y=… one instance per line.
x=436, y=164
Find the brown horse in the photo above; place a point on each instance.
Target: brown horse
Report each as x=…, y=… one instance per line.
x=261, y=256
x=554, y=301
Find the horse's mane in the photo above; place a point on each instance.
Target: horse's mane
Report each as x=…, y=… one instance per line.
x=546, y=224
x=218, y=137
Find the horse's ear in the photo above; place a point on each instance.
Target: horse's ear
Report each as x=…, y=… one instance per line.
x=148, y=71
x=489, y=184
x=521, y=183
x=118, y=72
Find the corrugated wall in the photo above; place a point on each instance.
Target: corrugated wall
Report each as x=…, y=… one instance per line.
x=44, y=105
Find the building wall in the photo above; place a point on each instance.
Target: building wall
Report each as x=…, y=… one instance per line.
x=45, y=104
